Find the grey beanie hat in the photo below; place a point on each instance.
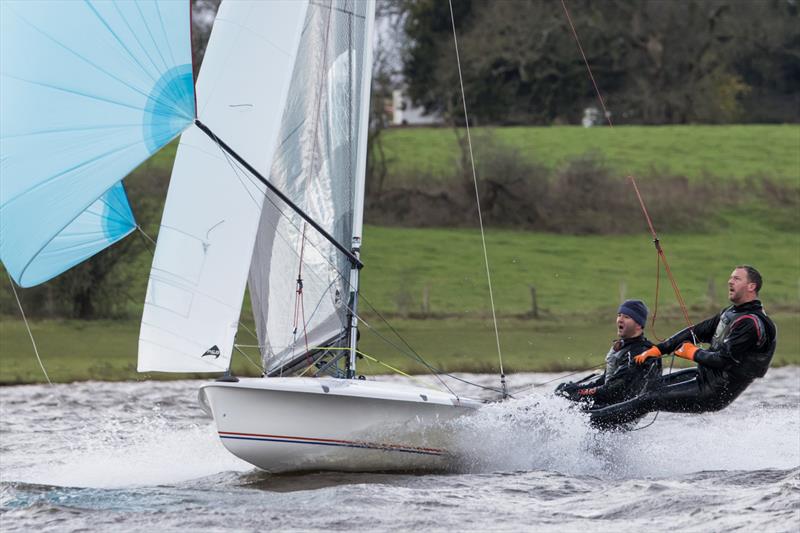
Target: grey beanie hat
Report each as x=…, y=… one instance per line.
x=636, y=309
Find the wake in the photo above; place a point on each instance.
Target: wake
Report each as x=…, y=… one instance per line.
x=545, y=432
x=148, y=451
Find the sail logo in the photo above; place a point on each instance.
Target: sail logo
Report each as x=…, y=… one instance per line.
x=214, y=350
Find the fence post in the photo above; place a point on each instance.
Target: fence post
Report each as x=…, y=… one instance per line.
x=623, y=288
x=534, y=303
x=712, y=293
x=426, y=299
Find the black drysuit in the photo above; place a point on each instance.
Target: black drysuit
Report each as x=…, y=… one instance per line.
x=623, y=378
x=743, y=340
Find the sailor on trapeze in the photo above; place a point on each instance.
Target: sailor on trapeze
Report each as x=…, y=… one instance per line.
x=623, y=379
x=743, y=340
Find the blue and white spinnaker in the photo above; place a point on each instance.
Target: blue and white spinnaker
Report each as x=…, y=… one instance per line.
x=88, y=90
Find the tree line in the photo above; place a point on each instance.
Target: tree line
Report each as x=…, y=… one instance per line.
x=655, y=61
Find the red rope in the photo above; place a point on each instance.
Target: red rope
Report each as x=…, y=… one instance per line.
x=588, y=68
x=661, y=256
x=299, y=308
x=655, y=307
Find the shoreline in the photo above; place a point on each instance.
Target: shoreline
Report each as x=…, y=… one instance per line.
x=179, y=377
x=78, y=351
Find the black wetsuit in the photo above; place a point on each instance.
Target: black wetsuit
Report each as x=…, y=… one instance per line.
x=623, y=378
x=743, y=340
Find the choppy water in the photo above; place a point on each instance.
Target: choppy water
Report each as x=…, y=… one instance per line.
x=143, y=456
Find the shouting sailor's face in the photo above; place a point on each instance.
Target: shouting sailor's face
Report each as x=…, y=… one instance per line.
x=740, y=289
x=627, y=328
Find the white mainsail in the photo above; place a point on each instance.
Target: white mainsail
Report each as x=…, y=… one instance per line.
x=322, y=137
x=302, y=284
x=205, y=241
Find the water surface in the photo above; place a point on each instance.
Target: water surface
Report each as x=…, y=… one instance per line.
x=143, y=456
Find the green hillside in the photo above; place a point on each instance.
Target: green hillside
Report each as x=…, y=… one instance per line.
x=432, y=285
x=737, y=151
x=579, y=282
x=571, y=274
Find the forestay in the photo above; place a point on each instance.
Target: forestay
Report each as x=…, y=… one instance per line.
x=88, y=91
x=205, y=242
x=322, y=137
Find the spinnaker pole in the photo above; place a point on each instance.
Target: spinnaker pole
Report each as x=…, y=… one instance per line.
x=222, y=144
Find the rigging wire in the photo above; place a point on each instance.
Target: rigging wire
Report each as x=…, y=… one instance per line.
x=607, y=114
x=478, y=202
x=588, y=68
x=374, y=360
x=146, y=236
x=656, y=240
x=558, y=378
x=299, y=305
x=248, y=330
x=663, y=258
x=345, y=279
x=28, y=327
x=436, y=371
x=238, y=348
x=57, y=395
x=238, y=166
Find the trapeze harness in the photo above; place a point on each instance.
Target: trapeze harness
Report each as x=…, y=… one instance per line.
x=623, y=378
x=743, y=340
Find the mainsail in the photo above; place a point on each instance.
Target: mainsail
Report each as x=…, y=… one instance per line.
x=205, y=241
x=88, y=91
x=319, y=166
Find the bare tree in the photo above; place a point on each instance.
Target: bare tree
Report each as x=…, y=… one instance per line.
x=203, y=14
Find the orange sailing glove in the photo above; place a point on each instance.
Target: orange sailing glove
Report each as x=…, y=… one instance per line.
x=587, y=392
x=687, y=351
x=647, y=354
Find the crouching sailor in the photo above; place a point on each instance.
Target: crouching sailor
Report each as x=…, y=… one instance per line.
x=743, y=340
x=623, y=378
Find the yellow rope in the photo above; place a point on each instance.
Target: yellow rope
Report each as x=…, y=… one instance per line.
x=370, y=358
x=309, y=367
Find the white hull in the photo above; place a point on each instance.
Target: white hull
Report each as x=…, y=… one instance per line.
x=294, y=424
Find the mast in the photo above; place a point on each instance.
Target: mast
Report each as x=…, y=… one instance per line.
x=360, y=179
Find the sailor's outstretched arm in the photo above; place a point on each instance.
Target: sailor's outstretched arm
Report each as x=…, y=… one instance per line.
x=703, y=331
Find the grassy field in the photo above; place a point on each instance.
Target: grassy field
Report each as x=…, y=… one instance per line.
x=692, y=151
x=439, y=274
x=579, y=281
x=571, y=274
x=731, y=151
x=102, y=350
x=529, y=345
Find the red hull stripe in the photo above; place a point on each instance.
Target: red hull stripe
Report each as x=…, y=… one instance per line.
x=331, y=442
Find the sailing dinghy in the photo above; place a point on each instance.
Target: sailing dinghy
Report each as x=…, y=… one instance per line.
x=268, y=184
